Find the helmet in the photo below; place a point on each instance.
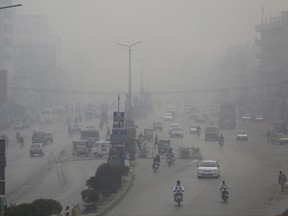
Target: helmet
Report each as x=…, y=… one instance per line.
x=178, y=182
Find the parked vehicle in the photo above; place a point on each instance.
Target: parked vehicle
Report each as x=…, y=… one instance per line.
x=227, y=117
x=37, y=149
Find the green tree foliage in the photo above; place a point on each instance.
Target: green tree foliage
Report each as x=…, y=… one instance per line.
x=107, y=180
x=39, y=207
x=90, y=195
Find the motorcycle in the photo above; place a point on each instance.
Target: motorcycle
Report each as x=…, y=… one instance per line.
x=170, y=161
x=155, y=166
x=178, y=197
x=225, y=195
x=221, y=143
x=198, y=133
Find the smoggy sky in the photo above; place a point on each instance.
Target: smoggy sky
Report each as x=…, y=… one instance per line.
x=175, y=34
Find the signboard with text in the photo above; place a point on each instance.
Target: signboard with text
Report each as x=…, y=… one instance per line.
x=118, y=120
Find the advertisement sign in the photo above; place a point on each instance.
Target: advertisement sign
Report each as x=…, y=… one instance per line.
x=118, y=120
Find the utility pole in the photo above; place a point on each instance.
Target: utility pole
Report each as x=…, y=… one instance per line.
x=129, y=97
x=10, y=6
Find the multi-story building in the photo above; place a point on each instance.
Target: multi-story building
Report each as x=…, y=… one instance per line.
x=36, y=57
x=6, y=45
x=273, y=55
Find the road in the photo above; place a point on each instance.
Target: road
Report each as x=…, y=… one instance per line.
x=29, y=178
x=249, y=168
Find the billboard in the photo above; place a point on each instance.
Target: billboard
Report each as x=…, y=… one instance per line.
x=118, y=120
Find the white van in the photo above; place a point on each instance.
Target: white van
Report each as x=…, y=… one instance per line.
x=101, y=148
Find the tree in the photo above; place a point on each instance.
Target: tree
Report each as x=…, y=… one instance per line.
x=39, y=207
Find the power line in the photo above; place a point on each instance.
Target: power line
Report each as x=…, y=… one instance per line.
x=164, y=92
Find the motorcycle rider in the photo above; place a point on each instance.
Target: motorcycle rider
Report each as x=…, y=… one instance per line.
x=221, y=139
x=178, y=188
x=141, y=137
x=223, y=188
x=156, y=160
x=198, y=130
x=170, y=154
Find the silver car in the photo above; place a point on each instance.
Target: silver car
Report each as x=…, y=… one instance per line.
x=208, y=169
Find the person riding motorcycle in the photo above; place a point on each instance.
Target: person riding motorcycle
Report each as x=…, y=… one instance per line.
x=198, y=130
x=221, y=139
x=170, y=154
x=18, y=135
x=141, y=137
x=156, y=161
x=178, y=188
x=223, y=188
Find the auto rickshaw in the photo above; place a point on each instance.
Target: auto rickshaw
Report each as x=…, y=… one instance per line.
x=148, y=134
x=163, y=146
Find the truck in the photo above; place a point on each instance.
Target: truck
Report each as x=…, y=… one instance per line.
x=211, y=133
x=227, y=117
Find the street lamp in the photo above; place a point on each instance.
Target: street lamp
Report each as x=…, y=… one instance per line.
x=129, y=89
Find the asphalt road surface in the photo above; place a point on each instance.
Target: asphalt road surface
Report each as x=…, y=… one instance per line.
x=249, y=168
x=29, y=178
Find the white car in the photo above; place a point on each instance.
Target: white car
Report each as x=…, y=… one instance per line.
x=76, y=128
x=168, y=116
x=90, y=127
x=208, y=168
x=246, y=117
x=101, y=148
x=34, y=129
x=18, y=126
x=176, y=133
x=259, y=118
x=37, y=149
x=174, y=126
x=241, y=135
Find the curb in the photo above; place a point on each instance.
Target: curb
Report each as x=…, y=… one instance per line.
x=118, y=197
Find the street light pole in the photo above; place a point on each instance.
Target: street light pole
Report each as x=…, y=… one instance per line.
x=129, y=84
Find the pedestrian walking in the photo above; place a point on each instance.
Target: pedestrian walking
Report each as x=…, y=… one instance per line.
x=282, y=180
x=155, y=141
x=268, y=134
x=108, y=133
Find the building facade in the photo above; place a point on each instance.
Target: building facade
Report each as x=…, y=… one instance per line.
x=273, y=55
x=6, y=39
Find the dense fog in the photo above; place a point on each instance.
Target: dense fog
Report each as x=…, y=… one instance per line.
x=181, y=39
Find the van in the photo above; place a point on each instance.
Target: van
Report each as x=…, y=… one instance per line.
x=101, y=148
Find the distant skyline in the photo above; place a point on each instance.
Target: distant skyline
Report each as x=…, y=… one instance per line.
x=173, y=32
